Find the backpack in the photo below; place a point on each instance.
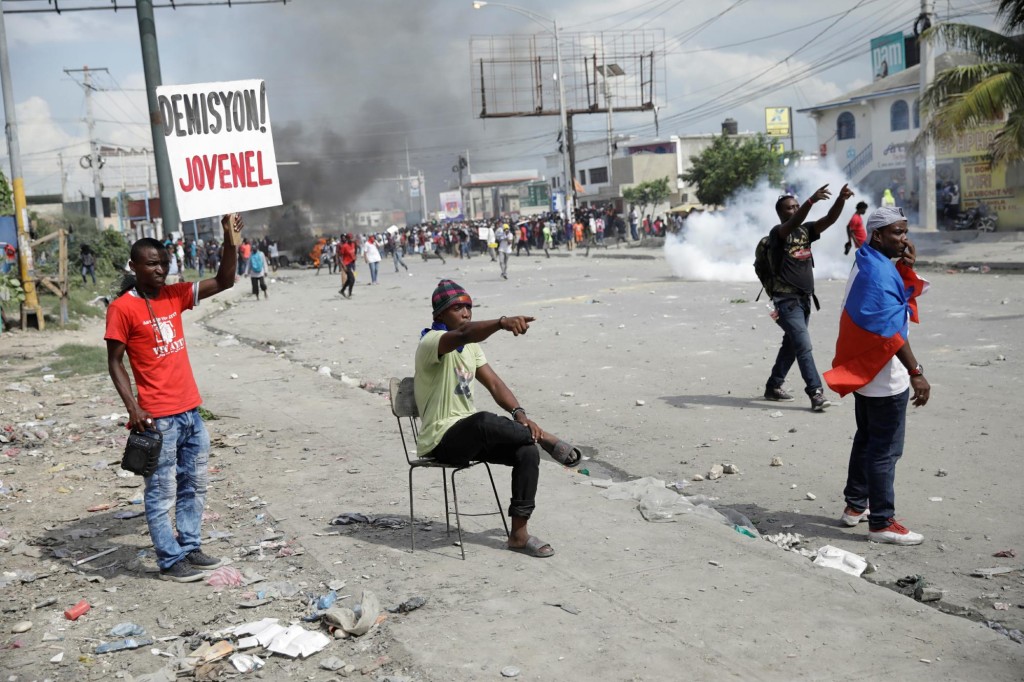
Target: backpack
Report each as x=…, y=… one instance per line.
x=765, y=265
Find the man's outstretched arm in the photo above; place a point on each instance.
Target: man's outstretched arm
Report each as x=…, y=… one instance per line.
x=833, y=213
x=798, y=218
x=475, y=332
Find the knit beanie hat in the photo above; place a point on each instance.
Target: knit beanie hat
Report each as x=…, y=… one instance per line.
x=447, y=294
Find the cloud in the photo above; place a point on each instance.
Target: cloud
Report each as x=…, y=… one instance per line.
x=41, y=139
x=52, y=29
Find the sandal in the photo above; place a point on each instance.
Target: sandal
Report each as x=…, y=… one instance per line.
x=535, y=547
x=564, y=453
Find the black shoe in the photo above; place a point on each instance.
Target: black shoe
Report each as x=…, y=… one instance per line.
x=818, y=401
x=778, y=395
x=181, y=572
x=204, y=562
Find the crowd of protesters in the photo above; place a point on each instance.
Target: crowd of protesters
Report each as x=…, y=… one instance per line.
x=466, y=239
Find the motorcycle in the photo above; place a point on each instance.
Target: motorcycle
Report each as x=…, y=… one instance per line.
x=979, y=218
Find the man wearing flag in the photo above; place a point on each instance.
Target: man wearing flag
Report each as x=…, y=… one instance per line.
x=874, y=362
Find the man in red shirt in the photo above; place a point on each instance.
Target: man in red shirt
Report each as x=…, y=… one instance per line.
x=244, y=251
x=145, y=322
x=347, y=251
x=856, y=235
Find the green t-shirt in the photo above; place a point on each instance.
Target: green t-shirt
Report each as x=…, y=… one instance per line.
x=443, y=388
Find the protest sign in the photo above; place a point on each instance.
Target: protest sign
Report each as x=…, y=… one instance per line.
x=220, y=147
x=451, y=205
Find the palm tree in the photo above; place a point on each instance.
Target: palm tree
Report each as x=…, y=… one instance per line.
x=966, y=97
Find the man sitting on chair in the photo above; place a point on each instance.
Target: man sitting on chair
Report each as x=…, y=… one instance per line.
x=448, y=358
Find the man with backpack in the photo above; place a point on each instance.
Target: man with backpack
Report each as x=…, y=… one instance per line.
x=791, y=288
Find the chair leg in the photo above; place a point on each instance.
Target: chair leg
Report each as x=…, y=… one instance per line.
x=447, y=515
x=458, y=519
x=498, y=500
x=412, y=518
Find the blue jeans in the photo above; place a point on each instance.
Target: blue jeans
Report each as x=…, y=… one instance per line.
x=396, y=255
x=877, y=446
x=180, y=482
x=794, y=314
x=373, y=272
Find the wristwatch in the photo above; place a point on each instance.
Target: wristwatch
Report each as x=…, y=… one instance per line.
x=917, y=371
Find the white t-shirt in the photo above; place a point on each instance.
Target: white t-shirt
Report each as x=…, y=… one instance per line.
x=891, y=380
x=504, y=241
x=371, y=252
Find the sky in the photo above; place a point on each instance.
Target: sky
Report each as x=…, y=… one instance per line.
x=364, y=89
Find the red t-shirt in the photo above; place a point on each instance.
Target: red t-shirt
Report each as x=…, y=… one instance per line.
x=158, y=357
x=856, y=227
x=348, y=253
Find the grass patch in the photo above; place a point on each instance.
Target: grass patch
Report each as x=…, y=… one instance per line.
x=207, y=415
x=79, y=298
x=74, y=358
x=738, y=300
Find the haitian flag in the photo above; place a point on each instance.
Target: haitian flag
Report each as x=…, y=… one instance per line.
x=880, y=298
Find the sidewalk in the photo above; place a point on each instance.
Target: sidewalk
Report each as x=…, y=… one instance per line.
x=1003, y=251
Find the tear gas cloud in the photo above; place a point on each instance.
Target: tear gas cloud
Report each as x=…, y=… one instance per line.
x=719, y=245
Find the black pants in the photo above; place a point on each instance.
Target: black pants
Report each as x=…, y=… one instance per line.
x=257, y=284
x=350, y=279
x=489, y=438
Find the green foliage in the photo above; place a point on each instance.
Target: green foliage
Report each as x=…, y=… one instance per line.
x=6, y=196
x=207, y=415
x=645, y=194
x=74, y=358
x=965, y=97
x=731, y=164
x=109, y=246
x=12, y=294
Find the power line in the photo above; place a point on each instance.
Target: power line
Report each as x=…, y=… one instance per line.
x=113, y=6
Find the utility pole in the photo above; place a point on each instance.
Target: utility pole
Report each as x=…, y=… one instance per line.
x=408, y=180
x=926, y=186
x=63, y=177
x=151, y=68
x=95, y=162
x=26, y=266
x=423, y=195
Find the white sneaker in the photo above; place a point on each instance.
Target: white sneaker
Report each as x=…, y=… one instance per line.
x=895, y=534
x=851, y=518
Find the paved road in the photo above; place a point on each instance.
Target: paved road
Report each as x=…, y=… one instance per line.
x=612, y=332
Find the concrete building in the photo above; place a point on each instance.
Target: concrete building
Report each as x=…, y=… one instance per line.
x=522, y=192
x=870, y=131
x=634, y=161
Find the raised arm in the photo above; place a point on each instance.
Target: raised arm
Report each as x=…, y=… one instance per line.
x=475, y=332
x=798, y=218
x=833, y=213
x=225, y=278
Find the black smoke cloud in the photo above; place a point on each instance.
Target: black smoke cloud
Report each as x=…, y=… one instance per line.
x=334, y=169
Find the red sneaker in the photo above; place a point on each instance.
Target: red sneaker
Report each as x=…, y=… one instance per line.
x=895, y=534
x=851, y=517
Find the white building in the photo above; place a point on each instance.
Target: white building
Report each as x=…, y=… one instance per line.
x=870, y=131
